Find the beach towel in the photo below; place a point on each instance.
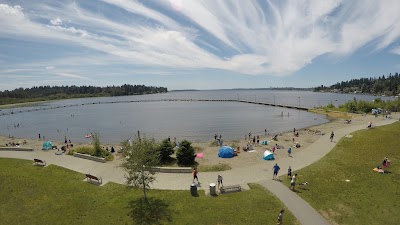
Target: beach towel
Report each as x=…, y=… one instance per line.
x=252, y=151
x=378, y=170
x=199, y=155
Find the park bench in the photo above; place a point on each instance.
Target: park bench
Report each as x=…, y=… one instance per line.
x=230, y=189
x=90, y=177
x=39, y=162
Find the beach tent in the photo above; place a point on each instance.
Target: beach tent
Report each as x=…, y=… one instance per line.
x=226, y=152
x=47, y=145
x=265, y=142
x=268, y=155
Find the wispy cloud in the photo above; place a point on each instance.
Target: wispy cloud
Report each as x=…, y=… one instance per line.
x=73, y=76
x=249, y=37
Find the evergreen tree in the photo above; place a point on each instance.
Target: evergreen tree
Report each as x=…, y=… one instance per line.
x=185, y=154
x=166, y=150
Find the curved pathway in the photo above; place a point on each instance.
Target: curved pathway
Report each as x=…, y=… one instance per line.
x=261, y=174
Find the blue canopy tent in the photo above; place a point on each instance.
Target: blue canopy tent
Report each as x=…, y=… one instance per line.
x=226, y=152
x=47, y=145
x=268, y=155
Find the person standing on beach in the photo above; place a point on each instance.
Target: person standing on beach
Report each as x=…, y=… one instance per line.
x=332, y=134
x=265, y=131
x=289, y=151
x=276, y=170
x=195, y=173
x=39, y=136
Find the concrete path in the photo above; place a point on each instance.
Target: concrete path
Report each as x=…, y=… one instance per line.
x=261, y=173
x=300, y=208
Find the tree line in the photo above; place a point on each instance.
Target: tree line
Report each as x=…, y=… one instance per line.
x=383, y=85
x=41, y=93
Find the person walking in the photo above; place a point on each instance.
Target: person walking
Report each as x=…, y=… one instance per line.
x=289, y=151
x=280, y=216
x=195, y=173
x=332, y=134
x=276, y=170
x=289, y=172
x=219, y=180
x=293, y=182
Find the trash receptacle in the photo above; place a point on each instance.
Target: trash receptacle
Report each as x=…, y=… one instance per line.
x=193, y=189
x=212, y=189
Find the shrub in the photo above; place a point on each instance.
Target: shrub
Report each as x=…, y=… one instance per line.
x=90, y=151
x=185, y=154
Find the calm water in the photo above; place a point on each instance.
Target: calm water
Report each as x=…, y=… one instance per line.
x=195, y=121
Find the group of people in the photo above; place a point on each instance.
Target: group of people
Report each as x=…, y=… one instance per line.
x=276, y=169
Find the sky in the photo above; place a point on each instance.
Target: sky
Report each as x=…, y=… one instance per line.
x=195, y=44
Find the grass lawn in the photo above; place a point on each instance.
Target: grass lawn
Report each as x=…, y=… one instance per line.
x=369, y=197
x=55, y=195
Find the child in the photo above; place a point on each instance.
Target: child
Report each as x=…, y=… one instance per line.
x=219, y=179
x=289, y=172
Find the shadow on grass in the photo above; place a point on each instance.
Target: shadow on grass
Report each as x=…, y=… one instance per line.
x=152, y=211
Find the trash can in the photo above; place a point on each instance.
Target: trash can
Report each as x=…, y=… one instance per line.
x=193, y=189
x=212, y=189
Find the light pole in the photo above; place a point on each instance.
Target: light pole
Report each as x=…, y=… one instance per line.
x=299, y=101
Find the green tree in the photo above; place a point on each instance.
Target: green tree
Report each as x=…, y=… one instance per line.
x=185, y=154
x=141, y=155
x=166, y=150
x=96, y=144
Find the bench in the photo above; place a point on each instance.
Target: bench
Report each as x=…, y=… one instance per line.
x=230, y=189
x=90, y=177
x=39, y=162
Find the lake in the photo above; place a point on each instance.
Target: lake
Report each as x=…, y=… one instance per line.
x=192, y=120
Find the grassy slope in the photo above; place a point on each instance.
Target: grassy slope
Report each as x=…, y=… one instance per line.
x=54, y=195
x=369, y=197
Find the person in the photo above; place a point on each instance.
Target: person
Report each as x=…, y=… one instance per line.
x=169, y=139
x=332, y=134
x=289, y=172
x=219, y=180
x=215, y=137
x=112, y=149
x=195, y=173
x=293, y=182
x=276, y=170
x=39, y=136
x=280, y=216
x=273, y=149
x=293, y=139
x=65, y=140
x=289, y=151
x=265, y=131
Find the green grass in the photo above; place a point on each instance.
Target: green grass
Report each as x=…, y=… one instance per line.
x=213, y=168
x=55, y=195
x=369, y=197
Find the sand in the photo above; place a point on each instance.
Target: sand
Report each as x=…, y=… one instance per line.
x=306, y=137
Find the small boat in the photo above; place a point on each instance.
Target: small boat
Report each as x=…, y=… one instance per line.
x=88, y=136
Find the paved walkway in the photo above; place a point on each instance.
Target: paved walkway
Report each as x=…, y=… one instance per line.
x=261, y=173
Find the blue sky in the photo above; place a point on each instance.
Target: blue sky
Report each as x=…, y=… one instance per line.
x=185, y=44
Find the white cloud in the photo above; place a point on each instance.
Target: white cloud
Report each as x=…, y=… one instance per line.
x=56, y=22
x=276, y=38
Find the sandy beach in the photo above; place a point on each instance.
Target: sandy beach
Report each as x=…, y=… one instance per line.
x=306, y=137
